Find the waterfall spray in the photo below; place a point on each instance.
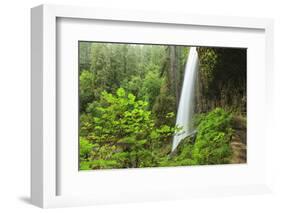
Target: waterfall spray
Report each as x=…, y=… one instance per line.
x=186, y=104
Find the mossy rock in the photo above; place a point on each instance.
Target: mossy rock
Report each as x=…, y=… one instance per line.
x=187, y=141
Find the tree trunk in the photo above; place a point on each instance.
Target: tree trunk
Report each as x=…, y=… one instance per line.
x=173, y=72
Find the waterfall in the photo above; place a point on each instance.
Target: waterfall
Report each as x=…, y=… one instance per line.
x=185, y=108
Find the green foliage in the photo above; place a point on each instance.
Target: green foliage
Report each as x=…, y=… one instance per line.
x=161, y=108
x=151, y=86
x=147, y=88
x=85, y=148
x=134, y=86
x=208, y=61
x=84, y=56
x=86, y=89
x=123, y=132
x=183, y=157
x=213, y=138
x=212, y=142
x=128, y=100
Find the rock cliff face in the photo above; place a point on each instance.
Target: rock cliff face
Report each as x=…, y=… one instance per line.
x=221, y=80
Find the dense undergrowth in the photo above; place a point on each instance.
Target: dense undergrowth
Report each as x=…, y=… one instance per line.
x=120, y=132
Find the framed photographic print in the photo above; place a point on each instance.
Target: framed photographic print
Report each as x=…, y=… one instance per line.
x=130, y=106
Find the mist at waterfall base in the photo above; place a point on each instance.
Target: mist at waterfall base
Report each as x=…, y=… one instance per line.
x=186, y=104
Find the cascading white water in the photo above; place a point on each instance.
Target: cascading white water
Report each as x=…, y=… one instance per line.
x=186, y=104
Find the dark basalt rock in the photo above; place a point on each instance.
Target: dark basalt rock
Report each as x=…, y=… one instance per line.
x=221, y=80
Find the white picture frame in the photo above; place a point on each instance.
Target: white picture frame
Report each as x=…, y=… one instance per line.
x=46, y=167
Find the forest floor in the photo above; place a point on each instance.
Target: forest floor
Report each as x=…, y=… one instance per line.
x=238, y=143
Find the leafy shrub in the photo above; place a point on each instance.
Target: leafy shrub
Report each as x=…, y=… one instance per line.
x=183, y=157
x=86, y=88
x=214, y=133
x=122, y=132
x=211, y=144
x=85, y=148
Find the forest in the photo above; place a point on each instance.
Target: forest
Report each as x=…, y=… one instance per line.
x=129, y=97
